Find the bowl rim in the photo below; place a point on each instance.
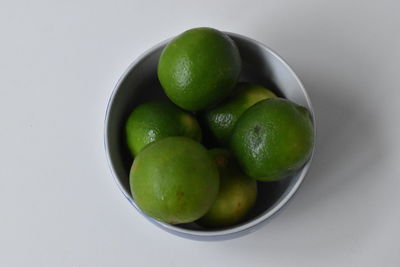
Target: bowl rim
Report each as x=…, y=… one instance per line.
x=237, y=230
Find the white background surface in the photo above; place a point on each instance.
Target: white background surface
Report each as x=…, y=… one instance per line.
x=59, y=61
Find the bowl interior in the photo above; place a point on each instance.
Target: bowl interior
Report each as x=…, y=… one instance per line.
x=140, y=84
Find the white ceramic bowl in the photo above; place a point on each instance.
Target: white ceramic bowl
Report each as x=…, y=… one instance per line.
x=139, y=84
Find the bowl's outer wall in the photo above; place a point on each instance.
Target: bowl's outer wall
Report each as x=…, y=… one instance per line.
x=140, y=84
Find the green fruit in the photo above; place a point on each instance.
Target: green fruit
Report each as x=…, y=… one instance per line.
x=174, y=180
x=272, y=139
x=237, y=193
x=199, y=68
x=221, y=119
x=154, y=120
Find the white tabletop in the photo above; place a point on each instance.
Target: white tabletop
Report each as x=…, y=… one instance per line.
x=59, y=61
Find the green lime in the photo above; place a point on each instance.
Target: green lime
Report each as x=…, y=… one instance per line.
x=199, y=68
x=174, y=180
x=237, y=193
x=154, y=120
x=221, y=119
x=272, y=139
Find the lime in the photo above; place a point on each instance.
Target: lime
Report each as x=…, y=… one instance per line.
x=174, y=180
x=154, y=120
x=272, y=139
x=221, y=119
x=237, y=193
x=199, y=68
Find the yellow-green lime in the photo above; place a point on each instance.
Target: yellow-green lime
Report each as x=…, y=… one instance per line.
x=199, y=68
x=237, y=193
x=221, y=119
x=272, y=139
x=174, y=180
x=154, y=120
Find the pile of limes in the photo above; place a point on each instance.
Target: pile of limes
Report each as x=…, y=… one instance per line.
x=252, y=135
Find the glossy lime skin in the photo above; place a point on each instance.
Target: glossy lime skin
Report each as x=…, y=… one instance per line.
x=199, y=68
x=237, y=193
x=272, y=139
x=174, y=180
x=221, y=119
x=154, y=120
